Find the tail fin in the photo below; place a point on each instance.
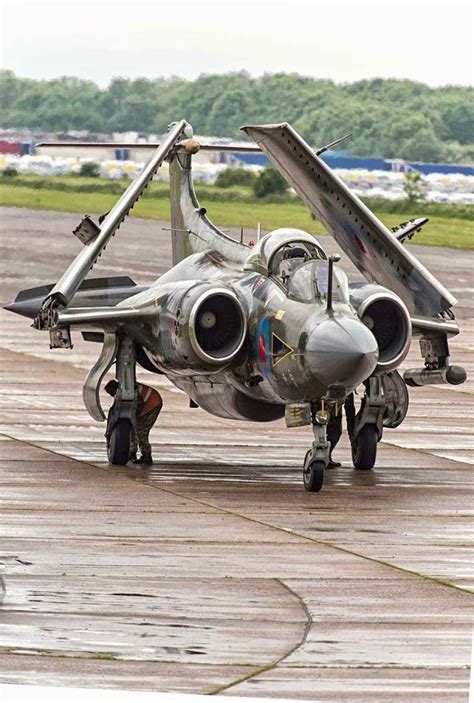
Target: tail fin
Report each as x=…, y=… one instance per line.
x=191, y=230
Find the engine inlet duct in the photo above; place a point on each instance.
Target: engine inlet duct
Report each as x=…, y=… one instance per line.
x=217, y=326
x=389, y=321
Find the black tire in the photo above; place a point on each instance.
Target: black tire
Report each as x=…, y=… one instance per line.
x=364, y=449
x=313, y=476
x=118, y=449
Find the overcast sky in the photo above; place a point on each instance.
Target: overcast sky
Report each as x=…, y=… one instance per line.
x=423, y=40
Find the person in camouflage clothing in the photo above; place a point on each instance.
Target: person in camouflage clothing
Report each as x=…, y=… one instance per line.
x=149, y=405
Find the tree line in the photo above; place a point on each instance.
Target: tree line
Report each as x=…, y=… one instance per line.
x=389, y=118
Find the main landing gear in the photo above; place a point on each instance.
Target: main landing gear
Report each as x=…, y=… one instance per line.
x=118, y=447
x=122, y=414
x=364, y=448
x=365, y=428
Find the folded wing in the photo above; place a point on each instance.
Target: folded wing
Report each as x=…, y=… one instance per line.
x=371, y=246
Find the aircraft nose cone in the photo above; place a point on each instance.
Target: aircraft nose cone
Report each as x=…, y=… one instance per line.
x=342, y=350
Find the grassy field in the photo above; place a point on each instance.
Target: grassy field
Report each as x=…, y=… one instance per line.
x=226, y=208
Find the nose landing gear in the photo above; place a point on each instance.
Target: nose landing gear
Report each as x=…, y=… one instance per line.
x=317, y=458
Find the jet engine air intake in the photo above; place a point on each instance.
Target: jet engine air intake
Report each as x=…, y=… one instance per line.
x=217, y=326
x=387, y=318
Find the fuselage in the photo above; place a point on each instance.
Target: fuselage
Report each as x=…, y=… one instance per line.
x=293, y=349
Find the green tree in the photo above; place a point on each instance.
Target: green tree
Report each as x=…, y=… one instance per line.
x=236, y=177
x=227, y=111
x=90, y=169
x=414, y=187
x=424, y=145
x=389, y=118
x=458, y=121
x=269, y=182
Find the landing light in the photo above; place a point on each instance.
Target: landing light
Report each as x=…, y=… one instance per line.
x=322, y=417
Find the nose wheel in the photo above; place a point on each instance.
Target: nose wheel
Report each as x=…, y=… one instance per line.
x=313, y=473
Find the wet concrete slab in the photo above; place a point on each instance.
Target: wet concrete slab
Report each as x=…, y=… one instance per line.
x=100, y=672
x=213, y=570
x=392, y=685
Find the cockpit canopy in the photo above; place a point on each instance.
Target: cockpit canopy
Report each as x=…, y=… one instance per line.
x=280, y=246
x=297, y=261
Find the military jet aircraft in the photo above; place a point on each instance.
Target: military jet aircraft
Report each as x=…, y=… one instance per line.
x=265, y=331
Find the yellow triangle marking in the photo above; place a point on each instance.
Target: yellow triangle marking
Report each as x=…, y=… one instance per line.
x=283, y=356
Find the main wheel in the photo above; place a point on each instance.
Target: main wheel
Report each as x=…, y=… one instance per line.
x=364, y=448
x=313, y=475
x=118, y=450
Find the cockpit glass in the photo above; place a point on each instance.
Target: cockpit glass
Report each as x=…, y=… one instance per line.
x=289, y=256
x=301, y=283
x=308, y=282
x=321, y=274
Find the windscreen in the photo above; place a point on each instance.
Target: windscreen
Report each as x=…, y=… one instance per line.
x=308, y=283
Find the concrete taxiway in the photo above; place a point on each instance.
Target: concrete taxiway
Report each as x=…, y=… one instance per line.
x=214, y=571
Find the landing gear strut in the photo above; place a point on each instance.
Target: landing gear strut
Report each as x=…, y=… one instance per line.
x=317, y=458
x=122, y=415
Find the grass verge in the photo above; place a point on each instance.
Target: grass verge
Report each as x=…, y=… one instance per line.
x=445, y=231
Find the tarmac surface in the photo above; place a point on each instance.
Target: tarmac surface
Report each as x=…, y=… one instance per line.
x=214, y=571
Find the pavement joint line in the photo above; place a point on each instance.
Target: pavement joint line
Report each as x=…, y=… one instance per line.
x=410, y=667
x=181, y=618
x=275, y=662
x=400, y=667
x=127, y=539
x=307, y=538
x=425, y=452
x=89, y=655
x=6, y=509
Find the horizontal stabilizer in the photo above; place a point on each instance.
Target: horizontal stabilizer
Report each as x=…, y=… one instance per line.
x=233, y=148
